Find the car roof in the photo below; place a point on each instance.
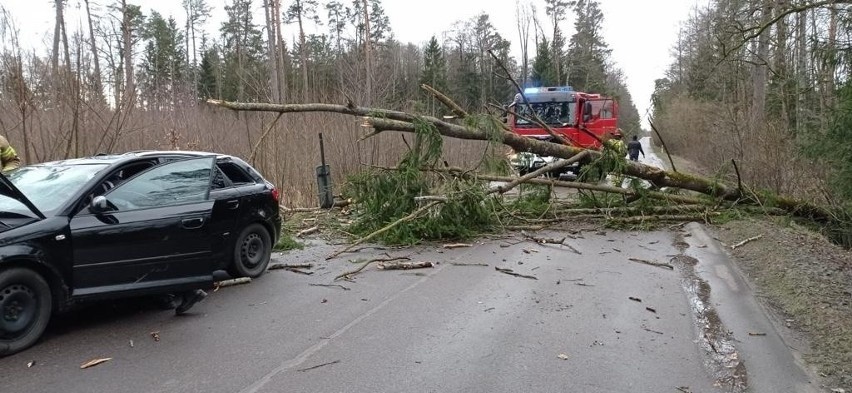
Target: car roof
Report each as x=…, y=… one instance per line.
x=129, y=156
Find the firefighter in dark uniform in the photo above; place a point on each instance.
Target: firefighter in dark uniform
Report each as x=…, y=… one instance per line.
x=634, y=148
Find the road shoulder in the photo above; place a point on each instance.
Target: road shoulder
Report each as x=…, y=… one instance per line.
x=802, y=280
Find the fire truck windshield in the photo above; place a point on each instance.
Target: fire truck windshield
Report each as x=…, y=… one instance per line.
x=550, y=112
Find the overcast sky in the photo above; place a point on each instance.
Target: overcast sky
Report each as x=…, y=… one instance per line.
x=640, y=33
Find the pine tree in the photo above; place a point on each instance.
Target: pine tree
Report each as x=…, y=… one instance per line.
x=163, y=67
x=208, y=84
x=587, y=51
x=543, y=72
x=242, y=43
x=434, y=72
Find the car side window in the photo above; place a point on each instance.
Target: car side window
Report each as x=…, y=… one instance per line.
x=234, y=173
x=173, y=183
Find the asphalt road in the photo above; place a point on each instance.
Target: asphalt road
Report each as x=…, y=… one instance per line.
x=451, y=328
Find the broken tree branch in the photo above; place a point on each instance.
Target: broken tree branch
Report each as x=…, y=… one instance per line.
x=663, y=142
x=744, y=242
x=318, y=366
x=308, y=231
x=502, y=189
x=457, y=110
x=405, y=265
x=512, y=273
x=276, y=266
x=652, y=263
x=358, y=270
x=262, y=138
x=330, y=286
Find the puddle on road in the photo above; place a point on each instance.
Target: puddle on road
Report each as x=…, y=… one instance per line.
x=716, y=342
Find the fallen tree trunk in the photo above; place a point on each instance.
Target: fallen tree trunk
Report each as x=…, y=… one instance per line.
x=387, y=120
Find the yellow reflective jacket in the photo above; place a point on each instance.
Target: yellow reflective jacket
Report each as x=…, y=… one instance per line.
x=8, y=156
x=617, y=145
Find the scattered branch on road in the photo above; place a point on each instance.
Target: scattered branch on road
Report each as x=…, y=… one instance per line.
x=560, y=242
x=455, y=245
x=318, y=366
x=652, y=263
x=331, y=286
x=231, y=282
x=307, y=273
x=512, y=273
x=744, y=242
x=276, y=266
x=349, y=274
x=95, y=362
x=405, y=265
x=651, y=330
x=468, y=264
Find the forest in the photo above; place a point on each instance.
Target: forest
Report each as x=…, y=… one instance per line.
x=763, y=82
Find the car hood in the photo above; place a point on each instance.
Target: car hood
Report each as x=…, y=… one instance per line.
x=9, y=190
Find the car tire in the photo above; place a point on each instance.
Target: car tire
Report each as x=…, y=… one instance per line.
x=252, y=252
x=25, y=308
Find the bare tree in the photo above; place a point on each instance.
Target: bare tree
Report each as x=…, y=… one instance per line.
x=273, y=63
x=758, y=111
x=368, y=54
x=96, y=79
x=523, y=20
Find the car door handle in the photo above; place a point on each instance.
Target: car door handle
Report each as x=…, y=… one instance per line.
x=192, y=223
x=233, y=204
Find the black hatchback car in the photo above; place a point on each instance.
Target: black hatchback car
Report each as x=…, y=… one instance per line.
x=140, y=223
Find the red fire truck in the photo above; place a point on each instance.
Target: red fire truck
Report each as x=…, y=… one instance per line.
x=566, y=111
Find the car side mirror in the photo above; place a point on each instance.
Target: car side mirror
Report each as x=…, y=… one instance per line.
x=99, y=204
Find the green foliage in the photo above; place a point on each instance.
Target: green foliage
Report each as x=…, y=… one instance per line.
x=242, y=54
x=834, y=149
x=587, y=51
x=543, y=70
x=611, y=161
x=387, y=196
x=534, y=200
x=208, y=83
x=434, y=73
x=163, y=66
x=286, y=243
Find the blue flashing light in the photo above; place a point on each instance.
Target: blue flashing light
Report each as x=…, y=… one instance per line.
x=530, y=90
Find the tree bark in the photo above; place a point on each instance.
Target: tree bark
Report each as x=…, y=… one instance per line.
x=368, y=55
x=758, y=107
x=127, y=40
x=99, y=90
x=272, y=47
x=303, y=54
x=57, y=31
x=280, y=53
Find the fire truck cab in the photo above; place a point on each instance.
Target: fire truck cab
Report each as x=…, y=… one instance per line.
x=569, y=113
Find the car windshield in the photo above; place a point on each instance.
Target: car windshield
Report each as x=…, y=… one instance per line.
x=551, y=112
x=47, y=186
